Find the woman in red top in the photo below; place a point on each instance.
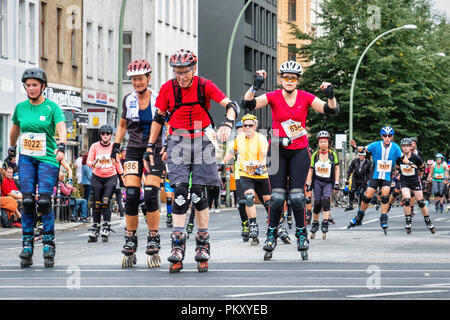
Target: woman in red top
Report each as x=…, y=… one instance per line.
x=289, y=154
x=103, y=181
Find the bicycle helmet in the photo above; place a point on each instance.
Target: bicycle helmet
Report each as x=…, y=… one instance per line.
x=239, y=125
x=439, y=155
x=291, y=67
x=106, y=128
x=183, y=58
x=363, y=153
x=406, y=141
x=35, y=73
x=139, y=67
x=249, y=116
x=414, y=139
x=386, y=130
x=323, y=134
x=430, y=162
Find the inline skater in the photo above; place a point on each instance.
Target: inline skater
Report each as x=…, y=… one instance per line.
x=360, y=170
x=138, y=114
x=411, y=167
x=169, y=198
x=384, y=154
x=324, y=174
x=104, y=181
x=289, y=154
x=439, y=177
x=190, y=148
x=34, y=123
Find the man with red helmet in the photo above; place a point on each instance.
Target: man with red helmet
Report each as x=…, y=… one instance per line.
x=190, y=148
x=138, y=113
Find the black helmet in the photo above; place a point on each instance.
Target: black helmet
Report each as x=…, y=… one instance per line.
x=106, y=128
x=406, y=141
x=35, y=73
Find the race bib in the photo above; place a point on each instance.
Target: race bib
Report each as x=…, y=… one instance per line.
x=33, y=144
x=384, y=165
x=323, y=169
x=407, y=170
x=211, y=134
x=104, y=161
x=439, y=176
x=250, y=167
x=293, y=129
x=131, y=167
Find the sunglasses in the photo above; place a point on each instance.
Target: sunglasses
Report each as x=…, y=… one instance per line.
x=387, y=135
x=181, y=73
x=105, y=133
x=290, y=79
x=248, y=125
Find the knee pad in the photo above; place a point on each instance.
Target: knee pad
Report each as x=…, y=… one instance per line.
x=277, y=199
x=133, y=199
x=29, y=203
x=249, y=199
x=365, y=199
x=308, y=200
x=105, y=203
x=326, y=204
x=395, y=194
x=297, y=198
x=198, y=196
x=406, y=202
x=181, y=196
x=151, y=194
x=266, y=205
x=421, y=203
x=44, y=204
x=241, y=202
x=385, y=199
x=97, y=206
x=317, y=206
x=169, y=201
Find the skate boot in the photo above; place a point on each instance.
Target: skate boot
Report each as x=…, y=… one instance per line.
x=308, y=217
x=129, y=249
x=253, y=235
x=106, y=231
x=436, y=206
x=348, y=208
x=177, y=254
x=202, y=251
x=357, y=220
x=429, y=224
x=245, y=231
x=283, y=235
x=442, y=208
x=169, y=220
x=383, y=222
x=152, y=251
x=270, y=243
x=48, y=251
x=95, y=230
x=314, y=228
x=289, y=220
x=302, y=242
x=324, y=228
x=27, y=251
x=189, y=229
x=331, y=220
x=408, y=224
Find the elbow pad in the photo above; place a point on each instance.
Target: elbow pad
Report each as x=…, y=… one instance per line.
x=330, y=111
x=233, y=105
x=159, y=119
x=249, y=105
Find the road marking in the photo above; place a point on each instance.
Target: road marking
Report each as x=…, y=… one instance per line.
x=275, y=292
x=377, y=220
x=394, y=293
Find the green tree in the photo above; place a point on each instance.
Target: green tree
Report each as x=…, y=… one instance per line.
x=399, y=83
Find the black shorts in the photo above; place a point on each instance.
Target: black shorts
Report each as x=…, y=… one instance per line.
x=239, y=190
x=261, y=186
x=411, y=184
x=379, y=183
x=134, y=163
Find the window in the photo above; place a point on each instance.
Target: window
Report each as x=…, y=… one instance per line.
x=59, y=51
x=22, y=29
x=127, y=45
x=182, y=15
x=194, y=17
x=111, y=55
x=43, y=30
x=100, y=54
x=292, y=55
x=159, y=70
x=248, y=61
x=3, y=28
x=32, y=32
x=148, y=46
x=166, y=64
x=89, y=50
x=248, y=13
x=292, y=10
x=167, y=12
x=73, y=39
x=160, y=10
x=188, y=16
x=175, y=14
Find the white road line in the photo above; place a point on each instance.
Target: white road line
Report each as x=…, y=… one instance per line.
x=394, y=293
x=377, y=220
x=274, y=292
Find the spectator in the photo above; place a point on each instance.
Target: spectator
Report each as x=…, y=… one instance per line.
x=10, y=205
x=10, y=162
x=86, y=178
x=66, y=190
x=9, y=187
x=79, y=166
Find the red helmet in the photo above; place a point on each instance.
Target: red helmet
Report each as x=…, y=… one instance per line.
x=183, y=58
x=138, y=67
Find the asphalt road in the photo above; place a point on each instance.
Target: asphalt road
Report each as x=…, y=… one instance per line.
x=361, y=263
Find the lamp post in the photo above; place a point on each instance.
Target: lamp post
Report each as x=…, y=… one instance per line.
x=120, y=60
x=406, y=26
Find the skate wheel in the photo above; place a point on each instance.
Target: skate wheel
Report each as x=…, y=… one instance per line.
x=267, y=255
x=129, y=261
x=254, y=241
x=92, y=240
x=245, y=239
x=408, y=231
x=304, y=255
x=153, y=261
x=175, y=267
x=49, y=263
x=104, y=239
x=385, y=231
x=286, y=241
x=432, y=231
x=324, y=236
x=26, y=263
x=313, y=235
x=202, y=266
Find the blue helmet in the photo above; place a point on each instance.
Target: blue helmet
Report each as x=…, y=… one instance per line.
x=239, y=125
x=387, y=130
x=439, y=155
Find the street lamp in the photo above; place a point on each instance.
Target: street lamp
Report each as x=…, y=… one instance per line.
x=406, y=26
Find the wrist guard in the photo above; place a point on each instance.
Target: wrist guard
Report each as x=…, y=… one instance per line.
x=249, y=105
x=61, y=147
x=258, y=82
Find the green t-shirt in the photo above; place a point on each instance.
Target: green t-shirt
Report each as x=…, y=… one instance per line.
x=40, y=118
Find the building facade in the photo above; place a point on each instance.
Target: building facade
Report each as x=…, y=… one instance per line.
x=19, y=50
x=254, y=48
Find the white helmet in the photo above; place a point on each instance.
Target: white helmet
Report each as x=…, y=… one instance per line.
x=291, y=67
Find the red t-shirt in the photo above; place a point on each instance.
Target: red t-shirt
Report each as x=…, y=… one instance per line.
x=8, y=185
x=282, y=112
x=185, y=116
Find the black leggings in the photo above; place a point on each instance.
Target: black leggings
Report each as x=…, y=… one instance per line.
x=103, y=189
x=286, y=163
